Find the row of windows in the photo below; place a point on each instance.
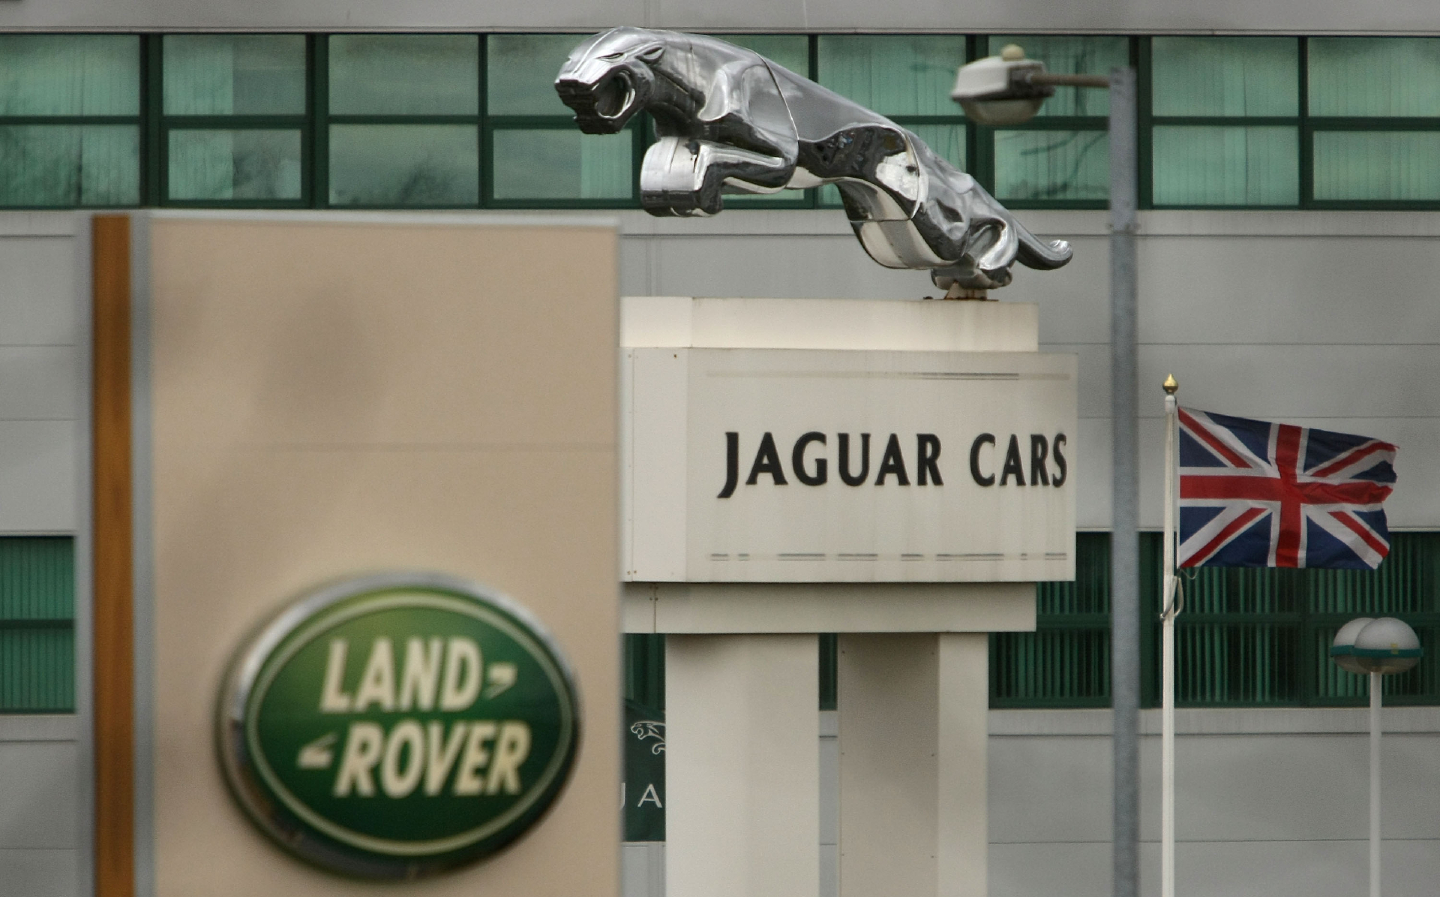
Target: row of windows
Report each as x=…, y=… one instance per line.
x=1246, y=637
x=466, y=120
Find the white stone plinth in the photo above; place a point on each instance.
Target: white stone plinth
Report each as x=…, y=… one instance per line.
x=742, y=767
x=912, y=764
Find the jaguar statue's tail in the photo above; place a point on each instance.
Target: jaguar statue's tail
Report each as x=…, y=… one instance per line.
x=1034, y=252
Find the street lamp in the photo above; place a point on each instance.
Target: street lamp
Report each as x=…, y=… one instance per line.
x=1007, y=90
x=1375, y=648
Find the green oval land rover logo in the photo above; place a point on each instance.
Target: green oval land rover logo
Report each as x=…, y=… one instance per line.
x=397, y=725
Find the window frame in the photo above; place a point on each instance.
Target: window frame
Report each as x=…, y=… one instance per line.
x=161, y=124
x=138, y=120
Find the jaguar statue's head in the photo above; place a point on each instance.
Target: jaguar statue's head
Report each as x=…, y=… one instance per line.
x=608, y=78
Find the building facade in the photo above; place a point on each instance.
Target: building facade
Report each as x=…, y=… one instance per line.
x=1287, y=251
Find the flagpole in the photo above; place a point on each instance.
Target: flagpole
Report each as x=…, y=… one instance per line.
x=1167, y=685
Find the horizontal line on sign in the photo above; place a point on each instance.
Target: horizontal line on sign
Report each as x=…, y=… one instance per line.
x=321, y=447
x=1004, y=376
x=878, y=557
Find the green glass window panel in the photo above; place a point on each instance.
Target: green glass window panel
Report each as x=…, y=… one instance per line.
x=1071, y=55
x=404, y=74
x=546, y=164
x=1241, y=590
x=520, y=73
x=1236, y=663
x=644, y=664
x=829, y=670
x=894, y=74
x=948, y=141
x=69, y=165
x=1406, y=583
x=404, y=165
x=1225, y=76
x=229, y=165
x=37, y=669
x=69, y=74
x=790, y=50
x=1089, y=593
x=1377, y=165
x=37, y=641
x=37, y=578
x=1370, y=76
x=1052, y=165
x=1052, y=667
x=1066, y=661
x=1226, y=166
x=234, y=74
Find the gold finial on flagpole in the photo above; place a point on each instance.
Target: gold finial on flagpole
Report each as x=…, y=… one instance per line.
x=1170, y=384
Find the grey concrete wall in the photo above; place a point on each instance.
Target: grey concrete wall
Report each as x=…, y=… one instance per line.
x=1271, y=802
x=39, y=372
x=41, y=820
x=39, y=806
x=1143, y=16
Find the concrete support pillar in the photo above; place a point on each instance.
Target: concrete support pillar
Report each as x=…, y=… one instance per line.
x=742, y=768
x=912, y=764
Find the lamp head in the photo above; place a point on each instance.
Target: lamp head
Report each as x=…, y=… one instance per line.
x=1342, y=649
x=1387, y=645
x=997, y=90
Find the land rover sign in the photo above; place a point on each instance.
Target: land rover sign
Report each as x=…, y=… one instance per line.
x=394, y=726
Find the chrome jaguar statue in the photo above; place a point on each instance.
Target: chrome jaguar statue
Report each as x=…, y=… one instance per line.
x=731, y=121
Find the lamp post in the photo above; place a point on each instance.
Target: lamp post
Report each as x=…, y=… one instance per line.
x=1009, y=89
x=1375, y=648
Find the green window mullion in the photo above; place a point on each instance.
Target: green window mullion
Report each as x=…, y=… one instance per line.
x=1144, y=124
x=487, y=162
x=482, y=158
x=70, y=120
x=1225, y=121
x=812, y=72
x=234, y=122
x=318, y=99
x=1307, y=136
x=152, y=136
x=405, y=120
x=978, y=150
x=1375, y=124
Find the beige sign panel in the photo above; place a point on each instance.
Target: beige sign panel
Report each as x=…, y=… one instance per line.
x=332, y=395
x=757, y=465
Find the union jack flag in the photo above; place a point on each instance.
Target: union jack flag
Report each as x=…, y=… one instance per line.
x=1259, y=494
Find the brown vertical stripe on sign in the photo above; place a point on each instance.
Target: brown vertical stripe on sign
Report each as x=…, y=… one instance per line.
x=114, y=582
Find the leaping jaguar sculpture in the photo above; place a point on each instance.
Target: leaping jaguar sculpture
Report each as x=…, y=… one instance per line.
x=728, y=120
